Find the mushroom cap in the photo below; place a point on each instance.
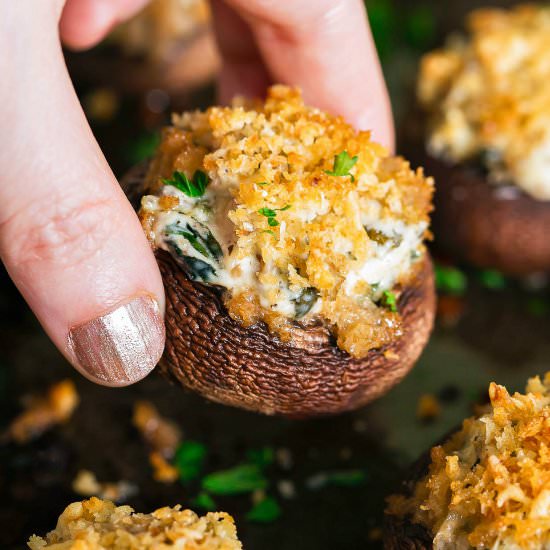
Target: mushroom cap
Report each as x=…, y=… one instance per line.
x=401, y=533
x=486, y=225
x=207, y=351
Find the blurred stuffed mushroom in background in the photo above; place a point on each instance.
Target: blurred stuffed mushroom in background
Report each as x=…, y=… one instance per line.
x=291, y=248
x=486, y=101
x=169, y=45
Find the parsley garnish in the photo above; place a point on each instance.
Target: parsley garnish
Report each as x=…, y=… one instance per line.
x=450, y=280
x=191, y=188
x=240, y=479
x=343, y=163
x=389, y=300
x=189, y=460
x=271, y=214
x=262, y=183
x=261, y=457
x=492, y=279
x=204, y=501
x=265, y=511
x=340, y=478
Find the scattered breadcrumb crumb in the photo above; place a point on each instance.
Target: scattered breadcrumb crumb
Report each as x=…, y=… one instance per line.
x=428, y=407
x=86, y=484
x=284, y=458
x=44, y=412
x=375, y=534
x=96, y=524
x=101, y=104
x=163, y=437
x=286, y=488
x=163, y=471
x=161, y=434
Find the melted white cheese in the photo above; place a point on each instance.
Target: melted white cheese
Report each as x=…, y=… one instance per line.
x=183, y=232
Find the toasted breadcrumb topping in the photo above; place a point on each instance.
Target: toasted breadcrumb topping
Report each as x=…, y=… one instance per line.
x=300, y=239
x=96, y=524
x=489, y=99
x=488, y=486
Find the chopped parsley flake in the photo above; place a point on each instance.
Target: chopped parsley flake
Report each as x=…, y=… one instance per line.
x=343, y=163
x=389, y=300
x=189, y=460
x=271, y=214
x=204, y=501
x=191, y=188
x=267, y=212
x=265, y=511
x=261, y=457
x=262, y=183
x=450, y=280
x=492, y=279
x=245, y=478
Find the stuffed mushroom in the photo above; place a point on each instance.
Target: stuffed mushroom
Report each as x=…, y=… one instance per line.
x=291, y=248
x=485, y=487
x=487, y=103
x=97, y=524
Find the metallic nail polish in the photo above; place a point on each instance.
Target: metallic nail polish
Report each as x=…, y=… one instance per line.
x=121, y=346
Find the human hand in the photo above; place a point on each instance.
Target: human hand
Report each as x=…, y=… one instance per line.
x=68, y=236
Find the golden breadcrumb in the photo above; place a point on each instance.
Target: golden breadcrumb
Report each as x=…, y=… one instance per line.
x=86, y=484
x=100, y=525
x=161, y=434
x=163, y=437
x=489, y=99
x=428, y=407
x=44, y=412
x=163, y=471
x=489, y=485
x=293, y=226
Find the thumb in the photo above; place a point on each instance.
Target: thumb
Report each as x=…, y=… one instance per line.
x=68, y=237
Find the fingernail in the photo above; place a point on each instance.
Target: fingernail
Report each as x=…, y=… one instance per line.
x=123, y=345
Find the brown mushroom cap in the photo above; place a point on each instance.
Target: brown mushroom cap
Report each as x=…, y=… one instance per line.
x=401, y=533
x=486, y=225
x=209, y=352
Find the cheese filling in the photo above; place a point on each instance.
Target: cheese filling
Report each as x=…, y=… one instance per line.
x=200, y=236
x=293, y=213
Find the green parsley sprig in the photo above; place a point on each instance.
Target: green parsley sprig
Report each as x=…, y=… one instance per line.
x=192, y=188
x=389, y=300
x=189, y=460
x=243, y=478
x=265, y=511
x=271, y=214
x=343, y=163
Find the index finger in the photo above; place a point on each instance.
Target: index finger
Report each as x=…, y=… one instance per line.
x=324, y=47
